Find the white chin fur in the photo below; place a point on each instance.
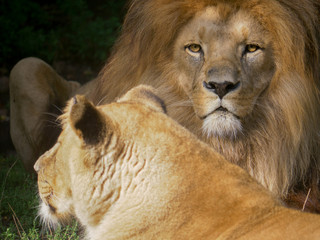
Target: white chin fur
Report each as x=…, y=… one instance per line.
x=47, y=218
x=223, y=124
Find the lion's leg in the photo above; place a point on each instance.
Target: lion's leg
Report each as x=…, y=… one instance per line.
x=37, y=93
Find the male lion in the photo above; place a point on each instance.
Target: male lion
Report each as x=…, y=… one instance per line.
x=240, y=74
x=127, y=171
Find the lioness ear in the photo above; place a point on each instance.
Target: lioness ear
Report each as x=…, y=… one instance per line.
x=145, y=95
x=87, y=121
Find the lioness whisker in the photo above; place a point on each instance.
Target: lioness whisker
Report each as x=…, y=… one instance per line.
x=52, y=123
x=58, y=108
x=51, y=114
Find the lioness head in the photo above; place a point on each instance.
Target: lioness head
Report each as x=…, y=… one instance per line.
x=92, y=138
x=226, y=62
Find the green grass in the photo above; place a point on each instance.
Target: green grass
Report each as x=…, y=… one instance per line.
x=18, y=206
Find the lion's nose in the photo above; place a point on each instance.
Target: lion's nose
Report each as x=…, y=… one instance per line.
x=221, y=89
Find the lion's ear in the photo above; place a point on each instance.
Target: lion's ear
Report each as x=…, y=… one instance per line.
x=145, y=95
x=87, y=121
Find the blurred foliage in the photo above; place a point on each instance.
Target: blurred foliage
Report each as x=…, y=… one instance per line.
x=76, y=30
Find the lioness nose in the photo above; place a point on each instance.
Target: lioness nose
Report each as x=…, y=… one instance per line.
x=37, y=166
x=221, y=89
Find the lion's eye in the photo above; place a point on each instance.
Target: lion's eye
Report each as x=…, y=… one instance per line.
x=250, y=48
x=194, y=48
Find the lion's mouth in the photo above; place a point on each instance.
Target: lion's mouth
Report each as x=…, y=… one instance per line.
x=217, y=110
x=222, y=109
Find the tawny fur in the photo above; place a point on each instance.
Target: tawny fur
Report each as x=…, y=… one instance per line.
x=277, y=142
x=143, y=176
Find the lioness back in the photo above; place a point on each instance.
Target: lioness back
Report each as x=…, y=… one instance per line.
x=126, y=170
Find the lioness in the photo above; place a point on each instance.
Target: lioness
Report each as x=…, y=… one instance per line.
x=127, y=171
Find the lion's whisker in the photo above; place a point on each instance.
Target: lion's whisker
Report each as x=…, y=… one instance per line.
x=101, y=100
x=180, y=104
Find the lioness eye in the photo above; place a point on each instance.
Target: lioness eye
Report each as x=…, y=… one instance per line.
x=195, y=48
x=251, y=48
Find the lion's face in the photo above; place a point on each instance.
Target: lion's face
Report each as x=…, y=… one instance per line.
x=226, y=63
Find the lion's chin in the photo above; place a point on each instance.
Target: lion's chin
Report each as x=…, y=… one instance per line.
x=221, y=124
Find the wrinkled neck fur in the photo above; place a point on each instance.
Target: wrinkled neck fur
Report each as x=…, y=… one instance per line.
x=112, y=185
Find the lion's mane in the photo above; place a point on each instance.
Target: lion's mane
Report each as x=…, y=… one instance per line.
x=281, y=149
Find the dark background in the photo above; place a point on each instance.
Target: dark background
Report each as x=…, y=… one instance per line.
x=74, y=36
